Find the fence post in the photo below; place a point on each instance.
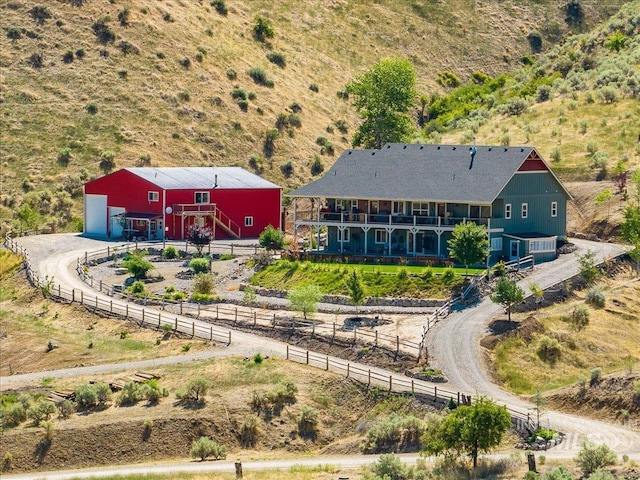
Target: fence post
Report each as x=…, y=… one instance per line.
x=58, y=289
x=159, y=319
x=235, y=320
x=307, y=357
x=211, y=334
x=108, y=252
x=229, y=338
x=181, y=307
x=198, y=310
x=327, y=368
x=274, y=321
x=313, y=328
x=175, y=327
x=96, y=302
x=142, y=322
x=193, y=329
x=390, y=382
x=287, y=351
x=355, y=330
x=254, y=319
x=435, y=394
x=458, y=398
x=91, y=281
x=86, y=257
x=232, y=249
x=334, y=331
x=217, y=313
x=81, y=297
x=126, y=310
x=412, y=387
x=110, y=306
x=100, y=285
x=348, y=365
x=397, y=344
x=369, y=379
x=376, y=338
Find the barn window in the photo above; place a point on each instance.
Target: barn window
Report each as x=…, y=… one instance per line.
x=248, y=221
x=381, y=236
x=507, y=211
x=154, y=196
x=525, y=210
x=496, y=244
x=202, y=197
x=554, y=209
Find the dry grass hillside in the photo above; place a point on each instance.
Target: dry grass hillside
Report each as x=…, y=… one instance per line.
x=152, y=82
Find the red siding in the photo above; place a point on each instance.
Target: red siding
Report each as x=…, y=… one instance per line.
x=533, y=165
x=124, y=189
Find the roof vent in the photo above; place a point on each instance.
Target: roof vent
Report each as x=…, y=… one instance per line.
x=522, y=149
x=454, y=148
x=388, y=145
x=421, y=147
x=373, y=153
x=215, y=181
x=375, y=174
x=349, y=152
x=438, y=147
x=404, y=147
x=505, y=149
x=489, y=148
x=335, y=172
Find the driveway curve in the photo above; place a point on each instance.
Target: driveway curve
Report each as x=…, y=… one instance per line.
x=453, y=343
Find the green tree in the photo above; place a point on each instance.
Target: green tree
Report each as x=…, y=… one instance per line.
x=473, y=429
x=205, y=447
x=383, y=97
x=355, y=288
x=305, y=299
x=593, y=457
x=469, y=243
x=271, y=238
x=137, y=266
x=28, y=217
x=604, y=197
x=507, y=293
x=588, y=269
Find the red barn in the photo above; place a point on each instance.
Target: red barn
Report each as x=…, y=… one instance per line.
x=156, y=202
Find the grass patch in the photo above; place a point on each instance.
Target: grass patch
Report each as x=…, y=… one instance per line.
x=605, y=342
x=379, y=280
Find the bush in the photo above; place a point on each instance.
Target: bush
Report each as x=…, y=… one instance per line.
x=185, y=62
x=556, y=154
x=14, y=33
x=103, y=393
x=40, y=13
x=205, y=447
x=131, y=394
x=91, y=108
x=595, y=296
x=317, y=167
x=41, y=410
x=204, y=283
x=448, y=275
x=277, y=59
x=314, y=87
x=258, y=75
x=308, y=421
x=204, y=298
x=549, y=349
x=67, y=56
x=86, y=396
x=448, y=79
x=262, y=29
x=124, y=15
x=580, y=317
x=36, y=60
x=66, y=408
x=535, y=41
x=137, y=266
x=64, y=156
x=231, y=74
x=128, y=47
x=197, y=388
x=391, y=467
x=596, y=373
x=287, y=169
x=137, y=288
x=13, y=414
x=393, y=433
x=199, y=265
x=49, y=429
x=102, y=31
x=249, y=430
x=107, y=161
x=258, y=358
x=170, y=253
x=593, y=457
x=220, y=7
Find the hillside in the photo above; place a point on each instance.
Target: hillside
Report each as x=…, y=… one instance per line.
x=86, y=85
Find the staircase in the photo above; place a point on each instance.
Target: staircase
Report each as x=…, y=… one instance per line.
x=228, y=225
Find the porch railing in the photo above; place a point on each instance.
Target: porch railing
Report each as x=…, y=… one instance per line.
x=383, y=219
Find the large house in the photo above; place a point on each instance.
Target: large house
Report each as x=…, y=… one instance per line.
x=404, y=200
x=157, y=203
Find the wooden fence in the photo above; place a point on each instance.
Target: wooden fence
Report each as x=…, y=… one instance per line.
x=157, y=319
x=246, y=318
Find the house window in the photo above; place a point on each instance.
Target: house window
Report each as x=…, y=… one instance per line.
x=154, y=196
x=496, y=244
x=421, y=209
x=554, y=209
x=344, y=235
x=539, y=246
x=374, y=207
x=248, y=221
x=507, y=211
x=474, y=211
x=525, y=210
x=202, y=197
x=381, y=236
x=397, y=208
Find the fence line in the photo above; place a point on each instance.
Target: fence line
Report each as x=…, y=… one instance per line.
x=437, y=396
x=156, y=319
x=247, y=319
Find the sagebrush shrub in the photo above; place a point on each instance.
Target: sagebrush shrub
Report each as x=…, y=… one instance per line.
x=549, y=349
x=14, y=33
x=258, y=75
x=308, y=421
x=204, y=283
x=102, y=31
x=36, y=60
x=314, y=87
x=287, y=168
x=262, y=29
x=220, y=7
x=277, y=59
x=199, y=265
x=249, y=430
x=317, y=166
x=595, y=296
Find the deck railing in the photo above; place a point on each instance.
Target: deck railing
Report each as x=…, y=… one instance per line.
x=383, y=219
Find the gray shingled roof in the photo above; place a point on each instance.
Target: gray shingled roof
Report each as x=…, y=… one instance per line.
x=184, y=178
x=419, y=172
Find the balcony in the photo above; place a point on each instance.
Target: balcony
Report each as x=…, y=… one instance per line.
x=381, y=219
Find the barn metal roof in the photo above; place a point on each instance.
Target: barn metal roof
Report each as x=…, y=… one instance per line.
x=416, y=172
x=205, y=178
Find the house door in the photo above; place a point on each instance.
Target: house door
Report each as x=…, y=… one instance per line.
x=514, y=253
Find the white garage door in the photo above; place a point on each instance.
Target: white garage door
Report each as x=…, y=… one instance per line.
x=95, y=215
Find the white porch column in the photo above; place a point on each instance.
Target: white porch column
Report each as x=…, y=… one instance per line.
x=295, y=224
x=439, y=233
x=389, y=232
x=318, y=219
x=341, y=230
x=414, y=232
x=365, y=230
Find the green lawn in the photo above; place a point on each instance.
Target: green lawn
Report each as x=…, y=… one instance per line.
x=378, y=280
